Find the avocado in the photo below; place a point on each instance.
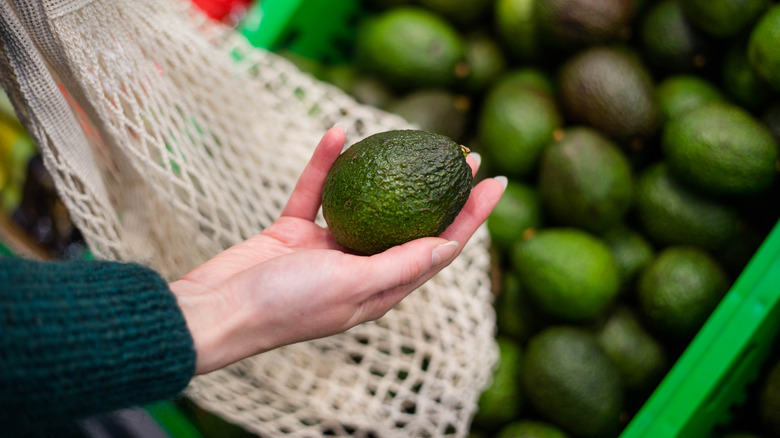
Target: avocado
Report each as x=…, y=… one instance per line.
x=517, y=316
x=516, y=27
x=721, y=149
x=678, y=94
x=585, y=180
x=610, y=88
x=670, y=212
x=741, y=81
x=570, y=380
x=484, y=63
x=532, y=77
x=501, y=402
x=723, y=18
x=574, y=24
x=632, y=252
x=530, y=429
x=640, y=358
x=519, y=211
x=393, y=187
x=762, y=47
x=409, y=47
x=514, y=125
x=679, y=289
x=436, y=110
x=569, y=273
x=670, y=43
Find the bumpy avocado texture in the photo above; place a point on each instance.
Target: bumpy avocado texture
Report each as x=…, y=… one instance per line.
x=393, y=187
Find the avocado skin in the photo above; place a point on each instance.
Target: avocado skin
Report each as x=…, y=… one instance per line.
x=393, y=187
x=610, y=89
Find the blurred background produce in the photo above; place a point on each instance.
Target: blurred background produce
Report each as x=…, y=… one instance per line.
x=641, y=140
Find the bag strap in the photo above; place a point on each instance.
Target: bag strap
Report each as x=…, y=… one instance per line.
x=38, y=100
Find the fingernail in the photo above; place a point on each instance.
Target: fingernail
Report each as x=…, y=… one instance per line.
x=502, y=179
x=476, y=156
x=444, y=252
x=341, y=125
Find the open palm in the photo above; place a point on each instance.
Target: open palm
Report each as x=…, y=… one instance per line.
x=292, y=282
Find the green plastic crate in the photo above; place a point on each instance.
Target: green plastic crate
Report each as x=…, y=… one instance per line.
x=317, y=29
x=726, y=355
x=711, y=377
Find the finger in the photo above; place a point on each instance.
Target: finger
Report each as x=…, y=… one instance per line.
x=378, y=304
x=386, y=278
x=306, y=197
x=474, y=159
x=480, y=204
x=398, y=266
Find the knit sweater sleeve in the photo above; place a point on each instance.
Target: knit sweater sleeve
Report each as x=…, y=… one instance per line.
x=86, y=337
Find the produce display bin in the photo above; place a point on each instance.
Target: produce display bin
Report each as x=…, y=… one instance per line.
x=710, y=379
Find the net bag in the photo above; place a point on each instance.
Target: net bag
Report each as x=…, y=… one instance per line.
x=170, y=139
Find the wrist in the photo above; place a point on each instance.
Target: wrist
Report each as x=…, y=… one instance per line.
x=214, y=324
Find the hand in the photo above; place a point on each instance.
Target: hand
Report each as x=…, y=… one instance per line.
x=293, y=283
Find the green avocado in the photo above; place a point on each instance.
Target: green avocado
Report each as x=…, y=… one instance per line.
x=670, y=212
x=409, y=47
x=574, y=24
x=610, y=89
x=679, y=289
x=721, y=149
x=502, y=401
x=393, y=187
x=570, y=380
x=585, y=180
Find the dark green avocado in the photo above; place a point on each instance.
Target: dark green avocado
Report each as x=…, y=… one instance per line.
x=393, y=187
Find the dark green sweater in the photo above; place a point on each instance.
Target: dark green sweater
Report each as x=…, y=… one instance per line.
x=87, y=337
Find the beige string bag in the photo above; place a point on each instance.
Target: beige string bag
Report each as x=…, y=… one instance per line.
x=167, y=149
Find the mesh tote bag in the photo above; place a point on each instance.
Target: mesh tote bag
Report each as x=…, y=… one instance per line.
x=170, y=139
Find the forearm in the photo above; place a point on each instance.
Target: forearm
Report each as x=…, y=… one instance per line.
x=86, y=337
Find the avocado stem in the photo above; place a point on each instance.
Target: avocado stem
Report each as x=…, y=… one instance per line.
x=465, y=150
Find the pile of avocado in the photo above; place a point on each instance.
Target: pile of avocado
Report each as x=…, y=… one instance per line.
x=640, y=139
